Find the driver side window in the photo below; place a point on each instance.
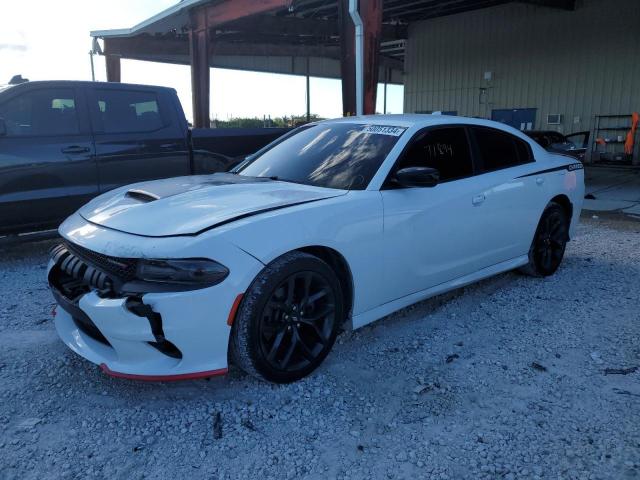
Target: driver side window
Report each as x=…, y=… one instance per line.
x=445, y=149
x=42, y=112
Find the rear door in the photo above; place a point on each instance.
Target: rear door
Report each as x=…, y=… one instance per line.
x=507, y=197
x=138, y=135
x=47, y=162
x=432, y=234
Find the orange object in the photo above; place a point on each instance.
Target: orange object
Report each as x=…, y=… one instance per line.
x=631, y=135
x=601, y=141
x=234, y=310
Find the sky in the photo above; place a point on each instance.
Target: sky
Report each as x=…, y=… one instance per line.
x=49, y=40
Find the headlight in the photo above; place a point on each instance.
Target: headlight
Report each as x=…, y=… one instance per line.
x=188, y=272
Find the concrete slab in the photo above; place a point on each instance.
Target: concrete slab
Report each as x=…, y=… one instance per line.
x=613, y=189
x=628, y=193
x=606, y=205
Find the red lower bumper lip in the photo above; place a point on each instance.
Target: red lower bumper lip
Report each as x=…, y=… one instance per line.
x=163, y=378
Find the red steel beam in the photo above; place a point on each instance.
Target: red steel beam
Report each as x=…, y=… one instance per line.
x=200, y=74
x=200, y=46
x=347, y=59
x=371, y=13
x=112, y=63
x=113, y=68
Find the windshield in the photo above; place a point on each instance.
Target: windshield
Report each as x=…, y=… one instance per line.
x=340, y=155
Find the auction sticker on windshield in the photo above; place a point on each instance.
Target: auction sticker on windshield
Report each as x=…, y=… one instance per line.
x=384, y=130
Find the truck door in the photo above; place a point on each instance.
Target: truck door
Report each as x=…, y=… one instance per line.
x=47, y=162
x=137, y=134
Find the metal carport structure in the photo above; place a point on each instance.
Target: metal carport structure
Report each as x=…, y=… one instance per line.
x=304, y=37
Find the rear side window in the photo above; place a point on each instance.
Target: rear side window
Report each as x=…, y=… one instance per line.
x=41, y=112
x=524, y=151
x=445, y=149
x=128, y=111
x=500, y=150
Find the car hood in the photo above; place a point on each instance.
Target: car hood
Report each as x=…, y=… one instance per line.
x=190, y=205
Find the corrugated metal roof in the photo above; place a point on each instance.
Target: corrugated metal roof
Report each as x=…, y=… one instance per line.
x=173, y=18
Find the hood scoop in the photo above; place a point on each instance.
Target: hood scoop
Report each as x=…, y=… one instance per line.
x=142, y=195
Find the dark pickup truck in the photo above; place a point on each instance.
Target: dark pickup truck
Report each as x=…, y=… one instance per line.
x=64, y=142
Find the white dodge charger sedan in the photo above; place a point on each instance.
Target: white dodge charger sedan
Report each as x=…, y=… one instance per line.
x=332, y=226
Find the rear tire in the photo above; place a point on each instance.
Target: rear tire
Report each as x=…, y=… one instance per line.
x=549, y=242
x=288, y=319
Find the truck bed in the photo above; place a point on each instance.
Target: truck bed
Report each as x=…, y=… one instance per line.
x=219, y=149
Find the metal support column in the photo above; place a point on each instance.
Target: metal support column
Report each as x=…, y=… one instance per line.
x=200, y=73
x=308, y=93
x=347, y=60
x=386, y=84
x=113, y=68
x=371, y=13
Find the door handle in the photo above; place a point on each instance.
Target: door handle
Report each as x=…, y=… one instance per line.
x=539, y=181
x=75, y=149
x=169, y=146
x=478, y=199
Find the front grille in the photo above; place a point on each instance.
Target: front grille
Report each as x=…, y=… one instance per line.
x=122, y=268
x=77, y=268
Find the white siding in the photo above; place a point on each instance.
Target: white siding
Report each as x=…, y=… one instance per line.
x=578, y=63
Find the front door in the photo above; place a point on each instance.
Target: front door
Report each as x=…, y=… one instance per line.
x=433, y=234
x=47, y=162
x=521, y=118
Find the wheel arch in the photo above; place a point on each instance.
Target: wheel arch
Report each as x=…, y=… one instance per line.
x=340, y=266
x=566, y=204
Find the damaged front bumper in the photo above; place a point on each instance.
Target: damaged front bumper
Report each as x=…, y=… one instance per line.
x=153, y=336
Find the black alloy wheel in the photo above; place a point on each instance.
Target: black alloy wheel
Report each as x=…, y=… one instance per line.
x=549, y=243
x=297, y=321
x=289, y=319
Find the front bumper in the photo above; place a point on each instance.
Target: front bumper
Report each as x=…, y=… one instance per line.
x=154, y=336
x=128, y=350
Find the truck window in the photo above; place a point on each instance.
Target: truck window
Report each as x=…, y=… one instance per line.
x=41, y=112
x=128, y=111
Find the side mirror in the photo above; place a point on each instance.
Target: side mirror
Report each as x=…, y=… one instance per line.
x=417, y=177
x=3, y=127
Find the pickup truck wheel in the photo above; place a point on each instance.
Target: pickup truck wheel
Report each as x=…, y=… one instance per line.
x=549, y=242
x=288, y=319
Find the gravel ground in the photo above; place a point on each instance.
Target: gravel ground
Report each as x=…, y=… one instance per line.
x=505, y=379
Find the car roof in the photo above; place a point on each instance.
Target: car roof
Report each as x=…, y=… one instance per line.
x=422, y=120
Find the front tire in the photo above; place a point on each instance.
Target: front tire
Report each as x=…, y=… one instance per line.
x=288, y=319
x=549, y=242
